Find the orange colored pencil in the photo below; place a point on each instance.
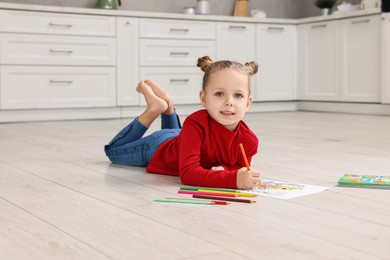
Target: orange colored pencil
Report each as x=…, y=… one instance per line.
x=245, y=158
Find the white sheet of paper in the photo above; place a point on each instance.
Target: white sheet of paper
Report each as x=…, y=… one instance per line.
x=285, y=190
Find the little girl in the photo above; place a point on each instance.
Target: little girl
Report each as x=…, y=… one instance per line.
x=205, y=152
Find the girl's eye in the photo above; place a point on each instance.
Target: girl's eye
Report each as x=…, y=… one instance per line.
x=238, y=95
x=219, y=94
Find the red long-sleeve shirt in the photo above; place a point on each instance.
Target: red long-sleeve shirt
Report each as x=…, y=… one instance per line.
x=204, y=143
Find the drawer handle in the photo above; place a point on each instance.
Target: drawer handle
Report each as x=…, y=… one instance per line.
x=178, y=30
x=319, y=26
x=60, y=25
x=179, y=53
x=237, y=27
x=60, y=81
x=61, y=51
x=275, y=29
x=361, y=21
x=179, y=81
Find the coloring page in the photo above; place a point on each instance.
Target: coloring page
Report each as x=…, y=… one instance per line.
x=284, y=190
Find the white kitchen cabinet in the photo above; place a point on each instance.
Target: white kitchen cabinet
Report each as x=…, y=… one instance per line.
x=340, y=60
x=50, y=60
x=37, y=87
x=236, y=41
x=276, y=55
x=127, y=61
x=177, y=29
x=183, y=83
x=386, y=59
x=164, y=52
x=318, y=61
x=56, y=23
x=56, y=50
x=168, y=54
x=360, y=70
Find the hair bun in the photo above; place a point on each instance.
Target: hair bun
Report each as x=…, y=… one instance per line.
x=252, y=67
x=204, y=63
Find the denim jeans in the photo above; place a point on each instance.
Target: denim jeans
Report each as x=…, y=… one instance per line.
x=129, y=147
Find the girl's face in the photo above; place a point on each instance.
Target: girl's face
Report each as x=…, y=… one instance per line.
x=226, y=97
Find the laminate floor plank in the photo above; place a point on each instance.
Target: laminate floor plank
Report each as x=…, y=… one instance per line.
x=62, y=167
x=123, y=195
x=113, y=231
x=26, y=236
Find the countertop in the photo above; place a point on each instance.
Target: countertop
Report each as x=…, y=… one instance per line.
x=128, y=13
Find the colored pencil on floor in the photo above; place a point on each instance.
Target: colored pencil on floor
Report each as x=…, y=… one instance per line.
x=206, y=193
x=237, y=194
x=223, y=198
x=191, y=201
x=216, y=190
x=205, y=188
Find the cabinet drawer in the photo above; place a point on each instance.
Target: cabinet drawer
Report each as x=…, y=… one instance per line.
x=56, y=50
x=183, y=84
x=24, y=87
x=174, y=52
x=49, y=23
x=177, y=29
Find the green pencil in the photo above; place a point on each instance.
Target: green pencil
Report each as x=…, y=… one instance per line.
x=188, y=201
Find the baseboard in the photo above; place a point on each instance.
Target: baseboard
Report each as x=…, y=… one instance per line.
x=337, y=107
x=184, y=110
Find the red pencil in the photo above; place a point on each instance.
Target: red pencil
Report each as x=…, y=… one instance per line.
x=195, y=196
x=244, y=155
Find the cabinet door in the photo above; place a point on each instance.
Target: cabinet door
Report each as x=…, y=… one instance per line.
x=276, y=45
x=386, y=60
x=361, y=59
x=127, y=61
x=236, y=41
x=318, y=61
x=183, y=83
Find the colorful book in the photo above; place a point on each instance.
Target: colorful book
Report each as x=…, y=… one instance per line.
x=357, y=180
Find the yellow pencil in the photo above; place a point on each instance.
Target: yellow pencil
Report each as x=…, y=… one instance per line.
x=238, y=194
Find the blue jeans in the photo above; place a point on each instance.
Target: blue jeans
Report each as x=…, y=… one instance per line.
x=129, y=147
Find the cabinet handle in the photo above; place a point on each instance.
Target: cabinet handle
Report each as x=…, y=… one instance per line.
x=61, y=51
x=178, y=30
x=179, y=81
x=178, y=53
x=361, y=21
x=275, y=28
x=60, y=25
x=239, y=27
x=59, y=81
x=319, y=26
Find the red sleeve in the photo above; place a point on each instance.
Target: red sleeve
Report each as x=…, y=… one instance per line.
x=190, y=170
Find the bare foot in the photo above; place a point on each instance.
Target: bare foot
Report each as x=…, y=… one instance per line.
x=161, y=93
x=155, y=104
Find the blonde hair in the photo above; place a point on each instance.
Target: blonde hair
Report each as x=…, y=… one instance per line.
x=207, y=65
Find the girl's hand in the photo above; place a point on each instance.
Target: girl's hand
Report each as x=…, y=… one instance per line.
x=217, y=168
x=247, y=179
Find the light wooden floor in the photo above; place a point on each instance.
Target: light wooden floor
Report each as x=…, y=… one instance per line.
x=61, y=199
